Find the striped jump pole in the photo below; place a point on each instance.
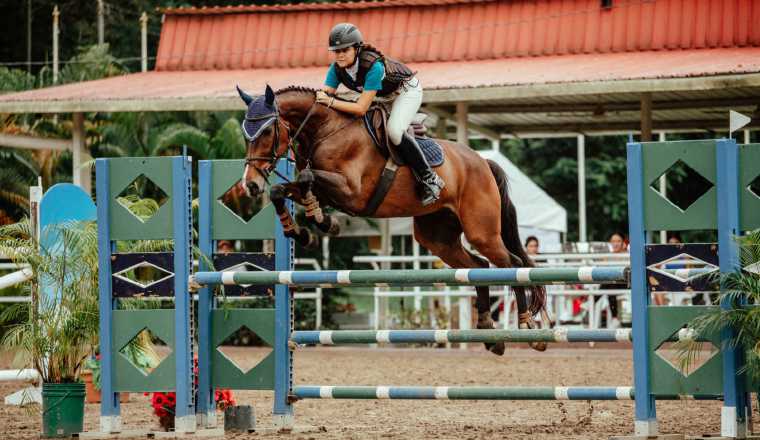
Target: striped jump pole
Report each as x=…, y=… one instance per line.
x=336, y=337
x=340, y=337
x=435, y=277
x=463, y=393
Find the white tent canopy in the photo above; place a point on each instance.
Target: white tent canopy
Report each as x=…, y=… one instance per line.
x=537, y=213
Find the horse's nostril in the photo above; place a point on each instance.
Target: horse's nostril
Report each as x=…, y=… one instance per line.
x=252, y=188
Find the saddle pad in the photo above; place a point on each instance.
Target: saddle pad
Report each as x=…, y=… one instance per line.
x=433, y=152
x=430, y=148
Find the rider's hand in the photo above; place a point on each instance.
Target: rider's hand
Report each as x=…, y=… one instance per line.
x=323, y=98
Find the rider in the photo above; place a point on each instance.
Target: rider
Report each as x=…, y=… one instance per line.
x=364, y=69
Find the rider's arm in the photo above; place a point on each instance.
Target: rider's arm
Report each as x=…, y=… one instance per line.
x=372, y=84
x=331, y=81
x=359, y=107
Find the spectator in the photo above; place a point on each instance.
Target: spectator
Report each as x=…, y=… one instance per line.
x=617, y=243
x=224, y=247
x=531, y=245
x=674, y=238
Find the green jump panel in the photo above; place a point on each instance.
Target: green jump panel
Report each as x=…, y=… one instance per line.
x=749, y=171
x=665, y=379
x=224, y=372
x=124, y=224
x=661, y=214
x=126, y=325
x=226, y=225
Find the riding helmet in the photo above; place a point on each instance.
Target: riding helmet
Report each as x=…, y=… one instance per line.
x=345, y=35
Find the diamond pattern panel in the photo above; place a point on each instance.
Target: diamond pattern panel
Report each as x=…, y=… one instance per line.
x=689, y=267
x=244, y=349
x=245, y=261
x=145, y=351
x=683, y=185
x=142, y=274
x=239, y=204
x=684, y=361
x=142, y=198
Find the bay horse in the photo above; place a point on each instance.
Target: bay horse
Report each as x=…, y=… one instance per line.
x=339, y=166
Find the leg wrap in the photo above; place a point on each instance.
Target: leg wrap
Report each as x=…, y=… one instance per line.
x=313, y=209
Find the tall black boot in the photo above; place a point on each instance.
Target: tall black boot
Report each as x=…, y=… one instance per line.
x=430, y=183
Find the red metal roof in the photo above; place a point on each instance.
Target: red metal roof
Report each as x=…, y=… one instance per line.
x=311, y=6
x=563, y=69
x=288, y=36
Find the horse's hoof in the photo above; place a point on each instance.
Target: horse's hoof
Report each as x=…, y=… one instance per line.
x=485, y=322
x=334, y=227
x=498, y=349
x=527, y=322
x=538, y=346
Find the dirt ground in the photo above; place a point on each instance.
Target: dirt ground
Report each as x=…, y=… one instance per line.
x=358, y=419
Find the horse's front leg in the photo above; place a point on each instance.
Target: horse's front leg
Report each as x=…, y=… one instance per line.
x=278, y=194
x=325, y=222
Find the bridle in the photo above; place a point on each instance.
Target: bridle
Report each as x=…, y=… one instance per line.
x=273, y=155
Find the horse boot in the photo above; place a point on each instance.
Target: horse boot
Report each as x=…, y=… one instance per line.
x=430, y=183
x=486, y=323
x=525, y=321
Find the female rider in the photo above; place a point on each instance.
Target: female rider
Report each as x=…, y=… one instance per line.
x=366, y=70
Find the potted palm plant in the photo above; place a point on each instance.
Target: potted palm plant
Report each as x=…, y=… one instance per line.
x=742, y=289
x=55, y=333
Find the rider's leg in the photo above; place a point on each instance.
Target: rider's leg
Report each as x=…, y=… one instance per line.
x=404, y=108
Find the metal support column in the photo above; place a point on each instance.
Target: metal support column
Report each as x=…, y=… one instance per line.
x=462, y=123
x=646, y=117
x=663, y=189
x=81, y=174
x=144, y=42
x=582, y=234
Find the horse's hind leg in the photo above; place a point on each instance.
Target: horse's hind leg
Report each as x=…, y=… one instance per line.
x=441, y=233
x=484, y=234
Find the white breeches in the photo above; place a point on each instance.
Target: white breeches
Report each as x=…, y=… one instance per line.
x=404, y=108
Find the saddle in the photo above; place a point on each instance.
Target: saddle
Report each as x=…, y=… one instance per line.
x=375, y=122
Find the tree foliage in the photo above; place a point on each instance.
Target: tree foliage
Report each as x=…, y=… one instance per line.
x=553, y=165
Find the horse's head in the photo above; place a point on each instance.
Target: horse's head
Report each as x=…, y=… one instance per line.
x=266, y=138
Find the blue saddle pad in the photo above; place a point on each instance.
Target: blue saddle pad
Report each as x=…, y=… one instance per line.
x=432, y=150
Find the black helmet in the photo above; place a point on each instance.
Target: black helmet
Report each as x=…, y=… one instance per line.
x=345, y=35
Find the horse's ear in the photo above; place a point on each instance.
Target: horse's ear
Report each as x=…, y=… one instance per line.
x=269, y=94
x=244, y=96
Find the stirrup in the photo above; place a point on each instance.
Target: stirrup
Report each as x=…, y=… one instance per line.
x=432, y=186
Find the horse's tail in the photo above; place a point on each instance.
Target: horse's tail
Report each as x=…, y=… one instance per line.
x=510, y=235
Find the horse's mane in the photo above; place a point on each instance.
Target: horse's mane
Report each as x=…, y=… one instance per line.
x=298, y=89
x=304, y=89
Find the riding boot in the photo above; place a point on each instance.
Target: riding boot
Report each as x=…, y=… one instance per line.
x=430, y=183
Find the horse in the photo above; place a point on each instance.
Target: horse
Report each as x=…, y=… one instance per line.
x=339, y=166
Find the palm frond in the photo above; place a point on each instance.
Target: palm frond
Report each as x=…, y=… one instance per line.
x=227, y=142
x=179, y=134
